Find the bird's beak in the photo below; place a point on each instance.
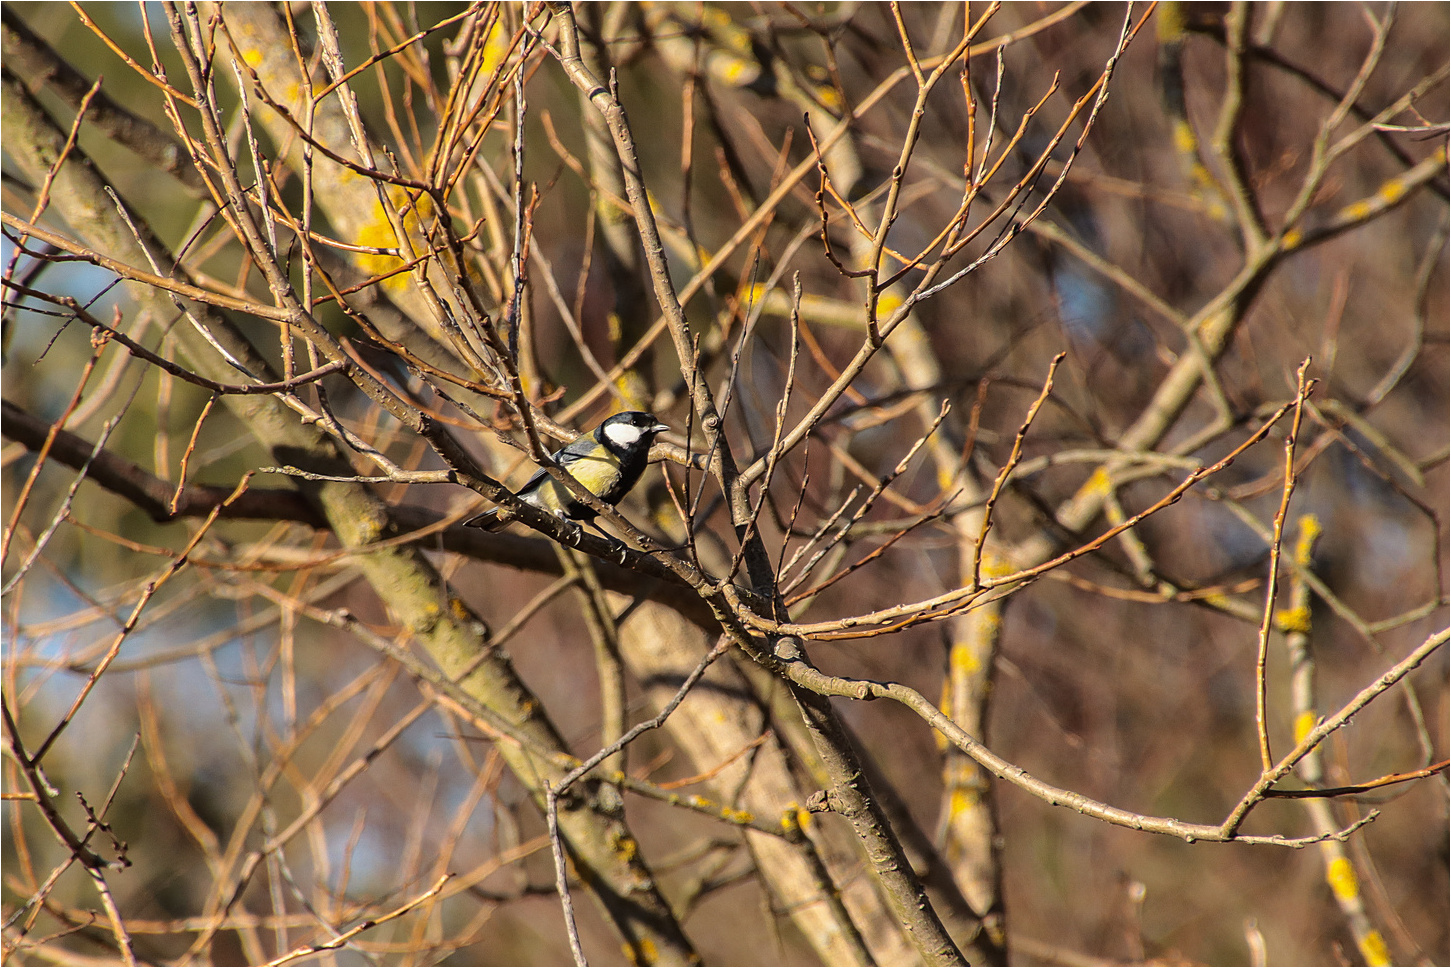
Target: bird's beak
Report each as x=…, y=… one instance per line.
x=659, y=429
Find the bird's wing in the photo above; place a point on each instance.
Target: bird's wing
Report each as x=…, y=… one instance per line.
x=535, y=479
x=563, y=457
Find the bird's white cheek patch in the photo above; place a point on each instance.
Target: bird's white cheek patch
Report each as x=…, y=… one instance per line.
x=622, y=435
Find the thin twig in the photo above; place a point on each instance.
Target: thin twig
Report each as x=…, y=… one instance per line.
x=555, y=791
x=1302, y=391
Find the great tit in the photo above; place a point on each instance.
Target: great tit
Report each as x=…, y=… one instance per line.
x=608, y=462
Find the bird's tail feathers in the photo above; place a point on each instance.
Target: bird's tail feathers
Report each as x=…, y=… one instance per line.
x=491, y=520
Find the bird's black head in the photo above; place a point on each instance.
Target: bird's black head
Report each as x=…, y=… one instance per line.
x=630, y=432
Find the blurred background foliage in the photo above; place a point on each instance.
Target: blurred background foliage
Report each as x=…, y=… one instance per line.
x=1099, y=687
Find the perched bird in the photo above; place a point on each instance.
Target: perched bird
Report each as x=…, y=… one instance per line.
x=608, y=461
